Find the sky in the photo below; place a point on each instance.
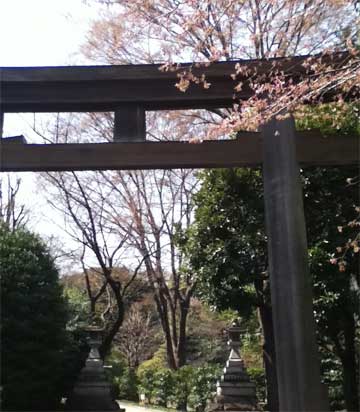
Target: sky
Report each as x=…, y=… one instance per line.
x=41, y=33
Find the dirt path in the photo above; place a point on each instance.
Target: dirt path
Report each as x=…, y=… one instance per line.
x=131, y=407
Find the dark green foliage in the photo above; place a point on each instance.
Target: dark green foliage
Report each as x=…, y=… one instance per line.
x=228, y=238
x=33, y=314
x=331, y=195
x=185, y=388
x=123, y=378
x=152, y=374
x=336, y=303
x=227, y=247
x=75, y=352
x=330, y=118
x=203, y=387
x=206, y=337
x=257, y=376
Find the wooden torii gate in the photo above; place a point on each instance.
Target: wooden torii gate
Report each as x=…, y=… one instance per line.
x=130, y=91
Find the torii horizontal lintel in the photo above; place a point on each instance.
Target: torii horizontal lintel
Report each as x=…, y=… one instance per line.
x=245, y=151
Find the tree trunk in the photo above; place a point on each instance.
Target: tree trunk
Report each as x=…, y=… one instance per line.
x=181, y=349
x=109, y=337
x=171, y=357
x=164, y=319
x=349, y=383
x=269, y=356
x=348, y=360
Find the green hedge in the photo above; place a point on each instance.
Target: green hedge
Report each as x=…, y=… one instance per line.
x=186, y=388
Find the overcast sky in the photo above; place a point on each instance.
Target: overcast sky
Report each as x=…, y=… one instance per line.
x=41, y=33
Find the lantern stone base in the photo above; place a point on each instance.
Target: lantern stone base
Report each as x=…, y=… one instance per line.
x=237, y=395
x=92, y=391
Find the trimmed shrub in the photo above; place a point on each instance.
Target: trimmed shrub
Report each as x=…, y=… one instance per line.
x=34, y=315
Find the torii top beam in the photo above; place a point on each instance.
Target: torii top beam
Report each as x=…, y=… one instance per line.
x=106, y=88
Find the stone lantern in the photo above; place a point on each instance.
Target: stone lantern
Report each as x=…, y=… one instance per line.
x=235, y=392
x=92, y=391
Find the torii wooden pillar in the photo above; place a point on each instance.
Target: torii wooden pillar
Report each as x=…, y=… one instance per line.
x=145, y=88
x=298, y=364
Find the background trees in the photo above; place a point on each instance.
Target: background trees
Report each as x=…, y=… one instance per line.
x=151, y=206
x=206, y=31
x=330, y=204
x=118, y=215
x=34, y=316
x=12, y=214
x=220, y=29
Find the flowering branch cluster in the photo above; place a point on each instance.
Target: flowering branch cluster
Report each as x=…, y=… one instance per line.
x=352, y=245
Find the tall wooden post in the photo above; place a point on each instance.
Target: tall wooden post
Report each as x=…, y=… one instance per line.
x=297, y=358
x=130, y=124
x=1, y=123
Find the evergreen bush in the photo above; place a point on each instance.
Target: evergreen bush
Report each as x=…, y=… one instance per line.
x=33, y=315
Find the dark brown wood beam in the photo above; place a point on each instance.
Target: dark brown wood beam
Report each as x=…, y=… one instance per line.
x=312, y=149
x=105, y=88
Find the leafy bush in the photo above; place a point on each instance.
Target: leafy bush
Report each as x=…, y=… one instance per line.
x=203, y=386
x=78, y=308
x=186, y=388
x=158, y=361
x=257, y=375
x=183, y=385
x=147, y=386
x=164, y=385
x=123, y=378
x=33, y=324
x=332, y=374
